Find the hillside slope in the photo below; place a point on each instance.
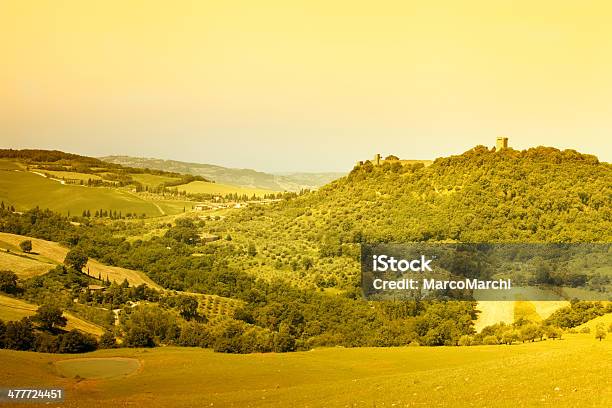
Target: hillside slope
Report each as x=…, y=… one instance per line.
x=537, y=195
x=56, y=253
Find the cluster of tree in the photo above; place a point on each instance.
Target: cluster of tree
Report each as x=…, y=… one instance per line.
x=520, y=331
x=184, y=231
x=44, y=332
x=112, y=214
x=116, y=295
x=7, y=207
x=578, y=312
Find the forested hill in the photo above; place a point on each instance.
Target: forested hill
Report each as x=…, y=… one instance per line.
x=541, y=194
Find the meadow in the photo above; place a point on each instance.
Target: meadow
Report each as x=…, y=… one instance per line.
x=563, y=373
x=26, y=190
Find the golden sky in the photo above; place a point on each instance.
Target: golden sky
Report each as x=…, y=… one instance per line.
x=304, y=85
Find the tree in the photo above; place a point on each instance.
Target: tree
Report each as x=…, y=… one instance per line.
x=553, y=332
x=50, y=316
x=188, y=307
x=19, y=335
x=529, y=332
x=600, y=332
x=283, y=340
x=8, y=281
x=510, y=336
x=26, y=246
x=76, y=259
x=107, y=340
x=76, y=342
x=138, y=336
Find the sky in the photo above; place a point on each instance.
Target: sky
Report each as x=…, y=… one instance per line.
x=304, y=85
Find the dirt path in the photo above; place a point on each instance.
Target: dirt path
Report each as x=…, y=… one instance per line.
x=161, y=210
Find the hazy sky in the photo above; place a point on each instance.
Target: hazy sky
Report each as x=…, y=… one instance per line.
x=304, y=85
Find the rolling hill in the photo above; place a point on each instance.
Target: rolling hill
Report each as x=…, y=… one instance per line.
x=239, y=177
x=49, y=254
x=26, y=190
x=568, y=373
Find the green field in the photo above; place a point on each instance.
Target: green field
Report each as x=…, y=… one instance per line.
x=26, y=190
x=574, y=372
x=9, y=165
x=202, y=187
x=72, y=175
x=151, y=180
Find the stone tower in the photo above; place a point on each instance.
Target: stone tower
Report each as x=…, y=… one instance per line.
x=502, y=143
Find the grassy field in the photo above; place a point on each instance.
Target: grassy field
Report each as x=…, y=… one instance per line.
x=26, y=190
x=25, y=266
x=606, y=320
x=9, y=165
x=72, y=175
x=574, y=372
x=15, y=309
x=151, y=180
x=54, y=252
x=201, y=187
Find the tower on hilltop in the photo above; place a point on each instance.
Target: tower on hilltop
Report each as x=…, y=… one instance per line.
x=377, y=159
x=502, y=143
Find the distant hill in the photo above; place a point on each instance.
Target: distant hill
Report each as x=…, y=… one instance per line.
x=240, y=177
